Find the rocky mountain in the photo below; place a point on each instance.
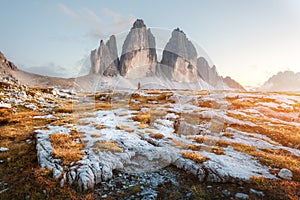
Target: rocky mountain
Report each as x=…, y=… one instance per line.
x=207, y=73
x=283, y=81
x=179, y=60
x=232, y=83
x=6, y=67
x=11, y=74
x=138, y=57
x=104, y=60
x=211, y=76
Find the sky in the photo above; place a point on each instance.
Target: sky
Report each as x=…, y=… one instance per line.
x=249, y=40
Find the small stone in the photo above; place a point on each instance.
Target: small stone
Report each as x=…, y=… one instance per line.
x=227, y=193
x=209, y=187
x=285, y=174
x=2, y=149
x=104, y=196
x=256, y=192
x=5, y=105
x=241, y=196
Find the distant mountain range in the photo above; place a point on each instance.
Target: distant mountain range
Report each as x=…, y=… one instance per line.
x=283, y=81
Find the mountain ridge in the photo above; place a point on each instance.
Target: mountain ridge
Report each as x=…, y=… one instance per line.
x=282, y=81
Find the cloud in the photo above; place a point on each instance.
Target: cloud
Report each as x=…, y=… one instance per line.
x=120, y=23
x=50, y=69
x=97, y=27
x=82, y=66
x=67, y=11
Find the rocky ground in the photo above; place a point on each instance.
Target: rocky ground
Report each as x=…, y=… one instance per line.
x=151, y=144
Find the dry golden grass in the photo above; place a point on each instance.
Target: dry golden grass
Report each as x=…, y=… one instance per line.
x=143, y=117
x=287, y=135
x=95, y=135
x=227, y=134
x=76, y=107
x=277, y=189
x=156, y=135
x=209, y=104
x=279, y=161
x=161, y=97
x=21, y=170
x=178, y=144
x=213, y=149
x=142, y=126
x=269, y=157
x=125, y=128
x=106, y=145
x=196, y=157
x=66, y=147
x=99, y=126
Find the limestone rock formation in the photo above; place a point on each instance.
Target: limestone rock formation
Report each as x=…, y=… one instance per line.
x=233, y=84
x=207, y=73
x=138, y=57
x=104, y=60
x=211, y=76
x=179, y=59
x=6, y=65
x=283, y=81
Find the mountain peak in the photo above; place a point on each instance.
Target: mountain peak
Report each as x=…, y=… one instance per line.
x=139, y=23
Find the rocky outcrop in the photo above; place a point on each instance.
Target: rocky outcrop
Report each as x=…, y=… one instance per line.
x=283, y=81
x=211, y=76
x=138, y=57
x=179, y=59
x=233, y=84
x=104, y=60
x=5, y=64
x=207, y=73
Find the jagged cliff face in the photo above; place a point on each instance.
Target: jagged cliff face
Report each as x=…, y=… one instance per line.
x=5, y=64
x=7, y=68
x=207, y=73
x=104, y=60
x=179, y=59
x=138, y=57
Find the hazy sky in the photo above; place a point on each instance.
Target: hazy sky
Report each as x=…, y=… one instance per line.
x=249, y=40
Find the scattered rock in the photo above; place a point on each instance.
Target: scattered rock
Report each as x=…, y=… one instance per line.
x=285, y=174
x=2, y=149
x=227, y=193
x=241, y=196
x=256, y=192
x=5, y=105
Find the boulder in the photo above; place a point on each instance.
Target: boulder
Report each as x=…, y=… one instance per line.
x=285, y=174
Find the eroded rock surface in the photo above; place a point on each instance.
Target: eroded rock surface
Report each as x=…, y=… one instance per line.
x=179, y=59
x=104, y=60
x=138, y=57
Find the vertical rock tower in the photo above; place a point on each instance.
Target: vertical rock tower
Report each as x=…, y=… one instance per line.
x=138, y=57
x=179, y=59
x=104, y=60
